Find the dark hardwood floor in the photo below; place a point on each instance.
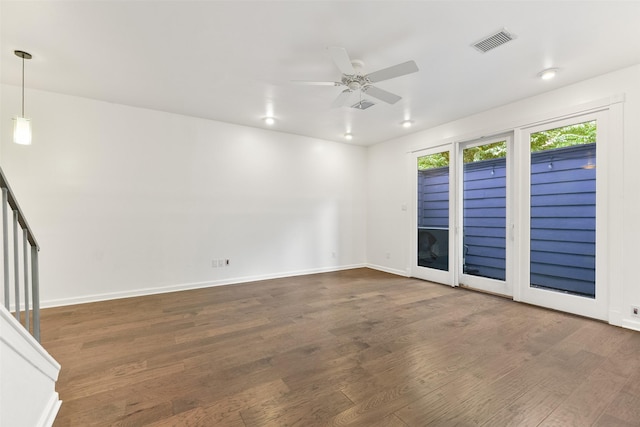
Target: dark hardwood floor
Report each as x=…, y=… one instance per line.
x=358, y=347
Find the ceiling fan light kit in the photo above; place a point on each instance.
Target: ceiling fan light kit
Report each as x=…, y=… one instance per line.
x=363, y=104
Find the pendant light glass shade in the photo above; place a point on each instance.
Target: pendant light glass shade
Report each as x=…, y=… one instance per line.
x=22, y=131
x=22, y=125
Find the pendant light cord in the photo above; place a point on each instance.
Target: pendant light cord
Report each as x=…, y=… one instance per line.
x=24, y=55
x=23, y=86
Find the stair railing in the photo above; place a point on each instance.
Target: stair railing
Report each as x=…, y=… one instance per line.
x=29, y=275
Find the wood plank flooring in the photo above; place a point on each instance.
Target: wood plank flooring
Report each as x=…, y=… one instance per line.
x=357, y=347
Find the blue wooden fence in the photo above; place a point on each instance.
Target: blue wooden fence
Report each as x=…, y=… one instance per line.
x=484, y=208
x=433, y=218
x=562, y=218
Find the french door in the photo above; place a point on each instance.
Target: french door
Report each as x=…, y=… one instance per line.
x=484, y=244
x=522, y=215
x=433, y=249
x=461, y=219
x=563, y=216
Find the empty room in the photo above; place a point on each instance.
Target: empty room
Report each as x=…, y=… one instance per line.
x=310, y=213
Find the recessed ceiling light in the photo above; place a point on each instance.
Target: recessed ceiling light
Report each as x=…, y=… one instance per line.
x=548, y=74
x=269, y=120
x=407, y=123
x=348, y=136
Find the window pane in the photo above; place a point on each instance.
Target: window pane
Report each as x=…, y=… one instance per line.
x=484, y=210
x=563, y=209
x=433, y=211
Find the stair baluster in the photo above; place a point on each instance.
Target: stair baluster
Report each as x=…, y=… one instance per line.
x=30, y=276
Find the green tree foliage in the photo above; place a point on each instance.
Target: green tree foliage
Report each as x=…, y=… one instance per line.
x=431, y=161
x=581, y=133
x=496, y=150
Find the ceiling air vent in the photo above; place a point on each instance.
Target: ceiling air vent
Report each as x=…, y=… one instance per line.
x=494, y=40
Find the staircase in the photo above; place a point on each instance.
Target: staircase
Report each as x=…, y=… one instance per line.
x=28, y=373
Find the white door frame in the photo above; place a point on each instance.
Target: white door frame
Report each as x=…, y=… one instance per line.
x=425, y=273
x=592, y=307
x=502, y=287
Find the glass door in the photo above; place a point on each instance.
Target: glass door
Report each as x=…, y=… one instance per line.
x=432, y=248
x=522, y=215
x=484, y=247
x=564, y=213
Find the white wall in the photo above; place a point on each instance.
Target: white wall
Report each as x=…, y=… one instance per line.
x=125, y=201
x=391, y=186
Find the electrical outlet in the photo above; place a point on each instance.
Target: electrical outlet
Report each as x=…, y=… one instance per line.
x=220, y=263
x=635, y=311
x=214, y=263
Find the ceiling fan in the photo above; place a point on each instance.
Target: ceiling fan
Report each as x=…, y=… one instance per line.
x=354, y=80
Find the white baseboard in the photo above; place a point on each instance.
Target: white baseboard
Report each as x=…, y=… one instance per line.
x=189, y=286
x=388, y=270
x=631, y=324
x=50, y=412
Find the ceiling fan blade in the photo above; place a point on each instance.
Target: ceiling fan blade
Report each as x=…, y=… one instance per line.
x=304, y=82
x=342, y=99
x=342, y=60
x=392, y=72
x=382, y=95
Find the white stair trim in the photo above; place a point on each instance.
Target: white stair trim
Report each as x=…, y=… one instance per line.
x=28, y=376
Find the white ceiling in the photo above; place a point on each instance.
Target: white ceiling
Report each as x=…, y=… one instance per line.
x=234, y=61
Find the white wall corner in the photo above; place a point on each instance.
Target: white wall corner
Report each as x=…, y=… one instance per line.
x=615, y=317
x=395, y=271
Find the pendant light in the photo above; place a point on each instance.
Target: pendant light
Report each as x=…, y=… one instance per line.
x=21, y=124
